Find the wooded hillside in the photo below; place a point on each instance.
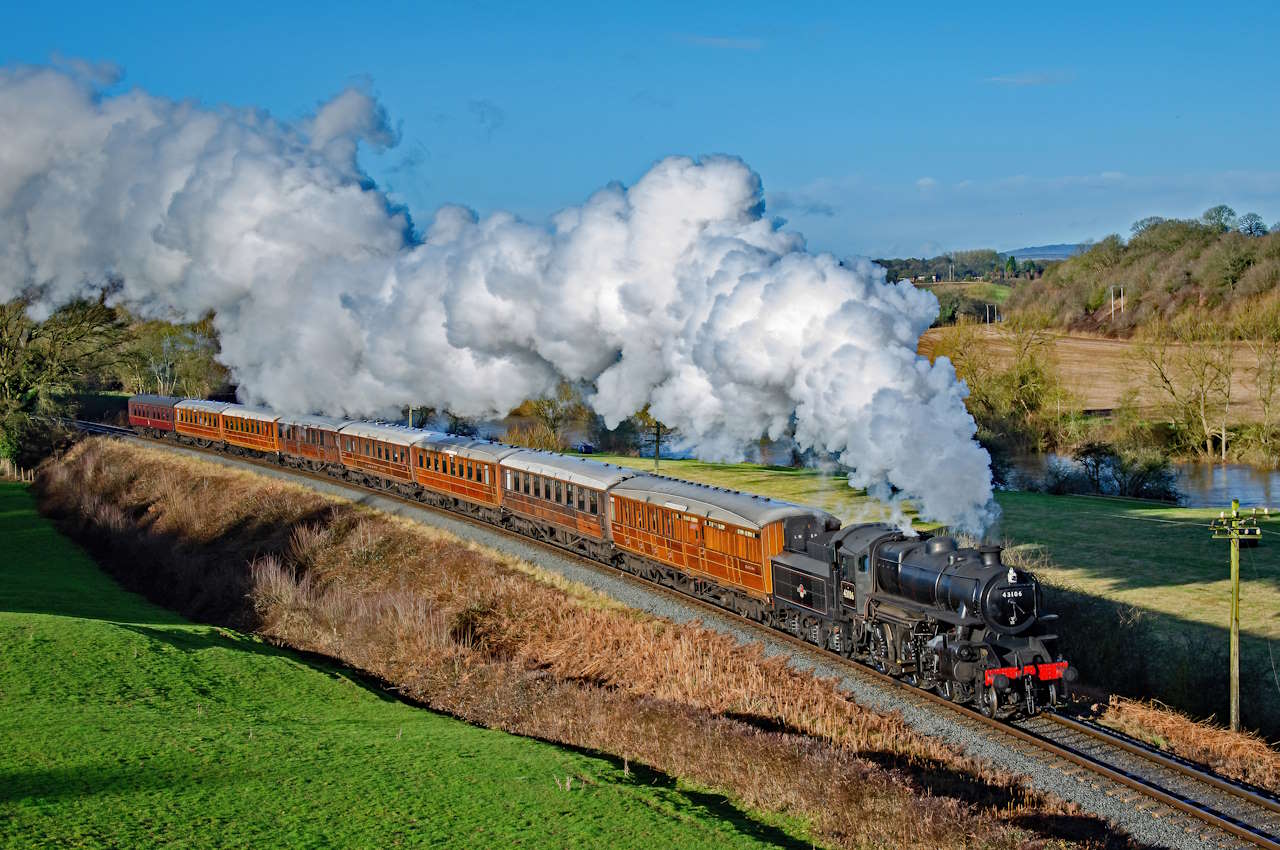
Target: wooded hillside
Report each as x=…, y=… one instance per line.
x=1168, y=267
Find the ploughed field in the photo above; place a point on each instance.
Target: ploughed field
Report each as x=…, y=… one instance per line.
x=1099, y=371
x=1129, y=570
x=126, y=725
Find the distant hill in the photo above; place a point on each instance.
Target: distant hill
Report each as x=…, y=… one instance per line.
x=1168, y=268
x=1061, y=251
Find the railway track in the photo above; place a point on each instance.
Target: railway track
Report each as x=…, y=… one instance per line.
x=1208, y=806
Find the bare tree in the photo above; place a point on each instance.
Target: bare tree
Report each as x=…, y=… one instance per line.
x=166, y=358
x=1250, y=224
x=559, y=409
x=1189, y=359
x=1260, y=331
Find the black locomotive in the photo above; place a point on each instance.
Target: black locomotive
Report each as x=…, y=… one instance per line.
x=955, y=620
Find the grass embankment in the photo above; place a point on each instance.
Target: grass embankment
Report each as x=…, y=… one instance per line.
x=126, y=725
x=468, y=631
x=1143, y=589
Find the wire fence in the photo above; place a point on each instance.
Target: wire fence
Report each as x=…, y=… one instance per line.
x=10, y=471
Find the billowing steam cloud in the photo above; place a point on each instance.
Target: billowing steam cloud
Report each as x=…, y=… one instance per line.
x=676, y=291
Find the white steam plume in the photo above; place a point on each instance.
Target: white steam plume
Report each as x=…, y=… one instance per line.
x=676, y=291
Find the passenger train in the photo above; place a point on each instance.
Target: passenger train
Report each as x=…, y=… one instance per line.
x=953, y=619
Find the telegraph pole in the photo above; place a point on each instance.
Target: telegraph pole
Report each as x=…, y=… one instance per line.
x=1235, y=528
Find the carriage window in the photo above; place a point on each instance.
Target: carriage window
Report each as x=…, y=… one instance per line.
x=486, y=473
x=467, y=465
x=559, y=498
x=582, y=500
x=508, y=479
x=592, y=503
x=527, y=476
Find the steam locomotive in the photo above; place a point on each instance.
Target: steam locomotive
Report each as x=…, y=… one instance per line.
x=917, y=607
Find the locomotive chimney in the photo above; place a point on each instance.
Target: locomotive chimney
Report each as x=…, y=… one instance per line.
x=990, y=555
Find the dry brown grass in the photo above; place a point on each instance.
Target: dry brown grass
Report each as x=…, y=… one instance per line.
x=1240, y=755
x=1099, y=371
x=464, y=630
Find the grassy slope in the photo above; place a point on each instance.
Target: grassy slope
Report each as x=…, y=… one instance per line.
x=122, y=724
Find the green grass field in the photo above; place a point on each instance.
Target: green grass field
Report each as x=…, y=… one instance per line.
x=1152, y=556
x=123, y=725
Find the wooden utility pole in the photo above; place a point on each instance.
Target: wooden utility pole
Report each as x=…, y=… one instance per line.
x=1235, y=528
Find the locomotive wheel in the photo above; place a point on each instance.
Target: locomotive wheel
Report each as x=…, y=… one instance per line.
x=989, y=702
x=878, y=651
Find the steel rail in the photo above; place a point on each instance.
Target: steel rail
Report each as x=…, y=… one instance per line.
x=1179, y=765
x=1060, y=751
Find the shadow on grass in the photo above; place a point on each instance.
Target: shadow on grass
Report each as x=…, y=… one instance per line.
x=1137, y=652
x=207, y=638
x=1130, y=544
x=46, y=785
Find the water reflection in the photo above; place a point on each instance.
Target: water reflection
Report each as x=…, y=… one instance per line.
x=1209, y=485
x=1202, y=485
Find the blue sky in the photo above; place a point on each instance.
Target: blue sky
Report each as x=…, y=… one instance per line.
x=895, y=129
